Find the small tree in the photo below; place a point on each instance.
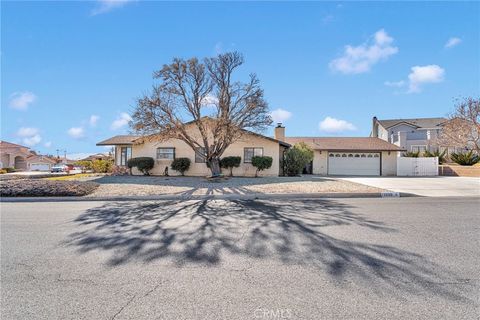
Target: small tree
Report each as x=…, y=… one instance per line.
x=102, y=166
x=143, y=164
x=181, y=165
x=296, y=158
x=230, y=163
x=462, y=129
x=261, y=163
x=84, y=164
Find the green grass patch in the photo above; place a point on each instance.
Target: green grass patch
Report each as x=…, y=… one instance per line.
x=72, y=177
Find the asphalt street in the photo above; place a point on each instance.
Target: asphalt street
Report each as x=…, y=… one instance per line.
x=397, y=258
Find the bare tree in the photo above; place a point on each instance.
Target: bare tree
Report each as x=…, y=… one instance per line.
x=189, y=90
x=463, y=126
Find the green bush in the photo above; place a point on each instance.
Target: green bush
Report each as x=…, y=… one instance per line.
x=143, y=164
x=9, y=169
x=440, y=155
x=296, y=158
x=102, y=166
x=465, y=159
x=84, y=164
x=411, y=154
x=181, y=165
x=230, y=163
x=261, y=163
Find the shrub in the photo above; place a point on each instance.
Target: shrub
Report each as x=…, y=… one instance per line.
x=102, y=166
x=181, y=165
x=440, y=155
x=261, y=163
x=2, y=171
x=230, y=163
x=9, y=169
x=411, y=154
x=84, y=164
x=143, y=164
x=465, y=159
x=296, y=158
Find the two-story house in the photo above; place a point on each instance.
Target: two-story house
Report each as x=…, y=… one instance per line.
x=412, y=134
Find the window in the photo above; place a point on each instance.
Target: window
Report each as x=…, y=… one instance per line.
x=331, y=155
x=249, y=153
x=125, y=155
x=418, y=148
x=165, y=153
x=200, y=155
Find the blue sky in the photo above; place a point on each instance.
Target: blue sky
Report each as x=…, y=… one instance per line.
x=72, y=70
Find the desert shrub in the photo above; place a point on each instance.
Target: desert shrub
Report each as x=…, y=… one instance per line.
x=411, y=154
x=441, y=155
x=84, y=164
x=181, y=165
x=230, y=163
x=466, y=158
x=102, y=166
x=261, y=163
x=296, y=158
x=143, y=164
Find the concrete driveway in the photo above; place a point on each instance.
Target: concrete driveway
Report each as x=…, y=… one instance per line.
x=424, y=186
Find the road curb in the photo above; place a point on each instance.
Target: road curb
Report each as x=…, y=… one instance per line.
x=251, y=196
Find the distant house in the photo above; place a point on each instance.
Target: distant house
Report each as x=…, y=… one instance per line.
x=14, y=155
x=416, y=135
x=98, y=156
x=40, y=163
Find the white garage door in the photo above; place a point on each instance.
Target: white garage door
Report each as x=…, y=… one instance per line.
x=354, y=163
x=39, y=167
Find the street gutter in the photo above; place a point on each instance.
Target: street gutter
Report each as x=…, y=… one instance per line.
x=252, y=196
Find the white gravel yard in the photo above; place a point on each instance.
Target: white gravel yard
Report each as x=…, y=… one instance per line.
x=155, y=185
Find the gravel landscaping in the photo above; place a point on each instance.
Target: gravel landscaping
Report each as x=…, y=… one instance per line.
x=45, y=188
x=155, y=185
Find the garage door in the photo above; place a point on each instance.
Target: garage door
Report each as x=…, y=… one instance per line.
x=39, y=167
x=354, y=163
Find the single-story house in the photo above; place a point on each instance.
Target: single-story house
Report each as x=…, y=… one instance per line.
x=13, y=155
x=332, y=155
x=40, y=163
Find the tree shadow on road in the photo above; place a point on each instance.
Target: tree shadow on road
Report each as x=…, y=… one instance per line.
x=297, y=232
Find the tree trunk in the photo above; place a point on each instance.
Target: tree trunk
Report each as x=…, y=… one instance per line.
x=215, y=167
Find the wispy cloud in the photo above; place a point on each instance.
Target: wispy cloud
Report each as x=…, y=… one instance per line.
x=76, y=132
x=22, y=100
x=123, y=120
x=332, y=125
x=93, y=120
x=395, y=84
x=47, y=144
x=360, y=59
x=452, y=42
x=421, y=75
x=280, y=115
x=30, y=136
x=104, y=6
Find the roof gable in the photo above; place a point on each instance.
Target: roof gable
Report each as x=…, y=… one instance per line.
x=417, y=122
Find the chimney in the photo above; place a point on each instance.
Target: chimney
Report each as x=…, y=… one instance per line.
x=374, y=127
x=279, y=132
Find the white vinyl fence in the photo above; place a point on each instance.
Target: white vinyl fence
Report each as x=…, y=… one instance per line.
x=417, y=166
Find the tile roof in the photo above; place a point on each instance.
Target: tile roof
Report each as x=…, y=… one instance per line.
x=121, y=139
x=419, y=123
x=345, y=143
x=6, y=144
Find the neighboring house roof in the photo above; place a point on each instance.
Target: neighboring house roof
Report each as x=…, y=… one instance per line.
x=121, y=139
x=40, y=159
x=345, y=143
x=97, y=156
x=428, y=123
x=5, y=144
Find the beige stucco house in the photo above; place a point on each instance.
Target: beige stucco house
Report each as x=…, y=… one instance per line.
x=14, y=155
x=367, y=156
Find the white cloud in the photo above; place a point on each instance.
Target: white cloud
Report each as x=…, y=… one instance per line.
x=361, y=58
x=280, y=115
x=121, y=121
x=27, y=132
x=22, y=100
x=76, y=132
x=47, y=144
x=395, y=84
x=30, y=136
x=209, y=101
x=452, y=42
x=93, y=120
x=333, y=125
x=104, y=6
x=424, y=74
